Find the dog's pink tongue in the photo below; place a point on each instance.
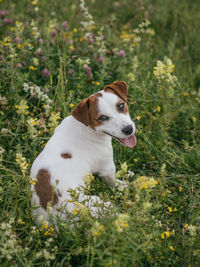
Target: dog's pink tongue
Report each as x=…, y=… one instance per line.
x=130, y=141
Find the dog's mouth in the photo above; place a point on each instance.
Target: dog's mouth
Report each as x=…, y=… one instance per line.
x=130, y=141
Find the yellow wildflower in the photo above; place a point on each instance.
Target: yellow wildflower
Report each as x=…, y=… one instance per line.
x=171, y=248
x=71, y=105
x=180, y=188
x=138, y=118
x=97, y=229
x=158, y=108
x=121, y=222
x=32, y=68
x=75, y=30
x=170, y=209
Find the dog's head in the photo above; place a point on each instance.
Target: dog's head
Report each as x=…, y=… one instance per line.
x=107, y=112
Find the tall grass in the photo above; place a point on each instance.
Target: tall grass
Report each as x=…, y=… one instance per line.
x=43, y=44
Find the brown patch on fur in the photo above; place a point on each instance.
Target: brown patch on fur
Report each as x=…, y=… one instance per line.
x=94, y=113
x=87, y=111
x=125, y=110
x=66, y=155
x=98, y=94
x=118, y=88
x=44, y=189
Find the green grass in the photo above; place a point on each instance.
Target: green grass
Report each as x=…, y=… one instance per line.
x=155, y=223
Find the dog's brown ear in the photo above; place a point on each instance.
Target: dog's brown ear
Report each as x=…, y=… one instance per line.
x=119, y=88
x=81, y=112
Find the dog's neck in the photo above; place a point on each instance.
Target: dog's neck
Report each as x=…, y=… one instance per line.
x=87, y=133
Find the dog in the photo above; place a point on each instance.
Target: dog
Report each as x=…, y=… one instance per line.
x=81, y=144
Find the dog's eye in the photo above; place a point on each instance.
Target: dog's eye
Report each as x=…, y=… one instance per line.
x=121, y=106
x=103, y=118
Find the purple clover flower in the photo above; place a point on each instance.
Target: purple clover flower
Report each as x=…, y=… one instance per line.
x=101, y=59
x=121, y=53
x=8, y=21
x=70, y=71
x=53, y=32
x=88, y=70
x=45, y=73
x=65, y=25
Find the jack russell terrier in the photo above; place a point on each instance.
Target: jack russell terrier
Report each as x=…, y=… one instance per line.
x=79, y=145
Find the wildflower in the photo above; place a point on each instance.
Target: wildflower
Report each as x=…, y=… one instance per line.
x=101, y=59
x=31, y=129
x=192, y=230
x=4, y=131
x=121, y=53
x=88, y=70
x=19, y=65
x=97, y=229
x=45, y=73
x=53, y=120
x=144, y=182
x=170, y=209
x=71, y=105
x=88, y=179
x=8, y=21
x=158, y=108
x=186, y=94
x=70, y=71
x=75, y=30
x=33, y=181
x=123, y=171
x=131, y=77
x=32, y=67
x=22, y=107
x=53, y=32
x=135, y=160
x=138, y=118
x=121, y=222
x=180, y=188
x=171, y=248
x=88, y=18
x=165, y=234
x=35, y=61
x=90, y=40
x=65, y=25
x=81, y=210
x=163, y=71
x=35, y=90
x=21, y=161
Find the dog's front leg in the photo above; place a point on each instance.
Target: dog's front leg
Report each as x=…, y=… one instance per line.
x=108, y=176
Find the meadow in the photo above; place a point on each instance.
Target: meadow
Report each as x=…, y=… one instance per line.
x=55, y=53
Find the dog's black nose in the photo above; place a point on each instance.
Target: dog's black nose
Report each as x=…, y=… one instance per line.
x=127, y=130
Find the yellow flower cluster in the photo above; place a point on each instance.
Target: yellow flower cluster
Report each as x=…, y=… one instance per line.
x=144, y=182
x=53, y=120
x=88, y=179
x=121, y=222
x=97, y=229
x=164, y=70
x=31, y=129
x=21, y=161
x=48, y=230
x=165, y=234
x=80, y=209
x=22, y=108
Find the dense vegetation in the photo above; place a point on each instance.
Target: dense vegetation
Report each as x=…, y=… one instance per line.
x=55, y=53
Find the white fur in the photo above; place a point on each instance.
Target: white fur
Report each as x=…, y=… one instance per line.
x=91, y=151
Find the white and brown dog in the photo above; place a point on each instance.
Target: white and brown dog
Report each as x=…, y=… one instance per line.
x=82, y=144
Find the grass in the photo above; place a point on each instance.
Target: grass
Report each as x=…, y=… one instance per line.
x=155, y=221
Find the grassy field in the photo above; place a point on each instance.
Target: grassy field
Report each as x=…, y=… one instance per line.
x=55, y=53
